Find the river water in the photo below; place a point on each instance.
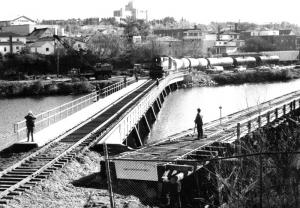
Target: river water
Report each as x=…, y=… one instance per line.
x=179, y=109
x=14, y=109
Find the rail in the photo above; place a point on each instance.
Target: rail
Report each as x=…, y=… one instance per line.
x=56, y=114
x=116, y=87
x=124, y=126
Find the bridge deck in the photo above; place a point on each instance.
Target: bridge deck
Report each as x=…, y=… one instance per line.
x=57, y=129
x=184, y=144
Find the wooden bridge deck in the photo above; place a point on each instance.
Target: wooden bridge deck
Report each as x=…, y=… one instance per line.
x=231, y=127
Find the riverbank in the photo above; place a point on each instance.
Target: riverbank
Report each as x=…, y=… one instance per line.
x=202, y=79
x=46, y=88
x=253, y=76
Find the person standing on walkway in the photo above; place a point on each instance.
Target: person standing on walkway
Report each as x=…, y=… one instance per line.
x=125, y=81
x=30, y=125
x=199, y=124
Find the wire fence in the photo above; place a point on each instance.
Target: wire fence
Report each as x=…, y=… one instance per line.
x=235, y=182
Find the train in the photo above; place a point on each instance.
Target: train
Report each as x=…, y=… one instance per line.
x=165, y=64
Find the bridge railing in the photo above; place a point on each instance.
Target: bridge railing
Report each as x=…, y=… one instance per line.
x=250, y=124
x=132, y=117
x=116, y=87
x=56, y=114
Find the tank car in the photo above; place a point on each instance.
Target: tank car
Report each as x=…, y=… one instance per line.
x=226, y=62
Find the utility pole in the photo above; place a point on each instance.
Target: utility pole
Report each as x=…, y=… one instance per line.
x=220, y=108
x=57, y=57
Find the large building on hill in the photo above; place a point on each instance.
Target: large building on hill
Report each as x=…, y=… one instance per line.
x=130, y=12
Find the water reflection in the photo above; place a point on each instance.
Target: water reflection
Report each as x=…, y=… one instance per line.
x=179, y=109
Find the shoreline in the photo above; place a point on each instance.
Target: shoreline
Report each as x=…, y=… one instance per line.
x=202, y=79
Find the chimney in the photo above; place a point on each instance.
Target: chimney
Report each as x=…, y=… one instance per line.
x=236, y=27
x=10, y=44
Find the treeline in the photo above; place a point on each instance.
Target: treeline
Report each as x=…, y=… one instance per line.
x=42, y=88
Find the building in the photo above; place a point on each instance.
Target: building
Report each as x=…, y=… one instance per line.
x=130, y=12
x=22, y=20
x=282, y=42
x=11, y=43
x=168, y=46
x=174, y=33
x=45, y=47
x=40, y=33
x=225, y=46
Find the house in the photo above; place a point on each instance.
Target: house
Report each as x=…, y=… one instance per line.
x=45, y=47
x=76, y=44
x=40, y=33
x=11, y=43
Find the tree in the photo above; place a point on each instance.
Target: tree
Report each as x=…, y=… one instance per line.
x=109, y=21
x=257, y=44
x=106, y=46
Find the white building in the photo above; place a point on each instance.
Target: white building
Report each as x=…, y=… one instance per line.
x=11, y=43
x=42, y=47
x=130, y=12
x=22, y=21
x=6, y=47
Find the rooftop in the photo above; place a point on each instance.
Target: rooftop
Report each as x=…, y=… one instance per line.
x=7, y=34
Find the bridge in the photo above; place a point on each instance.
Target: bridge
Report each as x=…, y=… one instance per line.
x=124, y=114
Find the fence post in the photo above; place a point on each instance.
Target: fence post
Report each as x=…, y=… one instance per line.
x=276, y=113
x=249, y=127
x=48, y=118
x=259, y=121
x=268, y=117
x=16, y=130
x=284, y=109
x=109, y=183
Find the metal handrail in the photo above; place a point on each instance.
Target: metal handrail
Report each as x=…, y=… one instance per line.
x=128, y=121
x=56, y=114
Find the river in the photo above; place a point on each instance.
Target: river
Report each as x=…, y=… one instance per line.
x=179, y=109
x=13, y=110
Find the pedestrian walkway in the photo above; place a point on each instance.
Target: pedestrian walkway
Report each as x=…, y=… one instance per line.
x=66, y=125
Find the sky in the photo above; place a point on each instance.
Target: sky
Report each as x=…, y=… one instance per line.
x=199, y=11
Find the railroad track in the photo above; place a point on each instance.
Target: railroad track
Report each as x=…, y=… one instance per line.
x=38, y=166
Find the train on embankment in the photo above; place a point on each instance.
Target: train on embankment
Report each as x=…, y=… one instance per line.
x=236, y=62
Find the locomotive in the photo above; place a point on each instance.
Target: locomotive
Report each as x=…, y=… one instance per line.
x=165, y=65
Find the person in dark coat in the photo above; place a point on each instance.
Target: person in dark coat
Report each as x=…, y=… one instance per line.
x=199, y=124
x=30, y=125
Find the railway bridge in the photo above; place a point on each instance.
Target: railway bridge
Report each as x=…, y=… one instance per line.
x=124, y=115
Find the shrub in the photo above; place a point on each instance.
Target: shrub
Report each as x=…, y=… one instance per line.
x=65, y=88
x=82, y=87
x=37, y=88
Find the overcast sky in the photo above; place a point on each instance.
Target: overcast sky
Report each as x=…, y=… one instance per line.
x=200, y=11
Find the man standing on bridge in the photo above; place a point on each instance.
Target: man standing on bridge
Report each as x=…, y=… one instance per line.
x=30, y=125
x=199, y=124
